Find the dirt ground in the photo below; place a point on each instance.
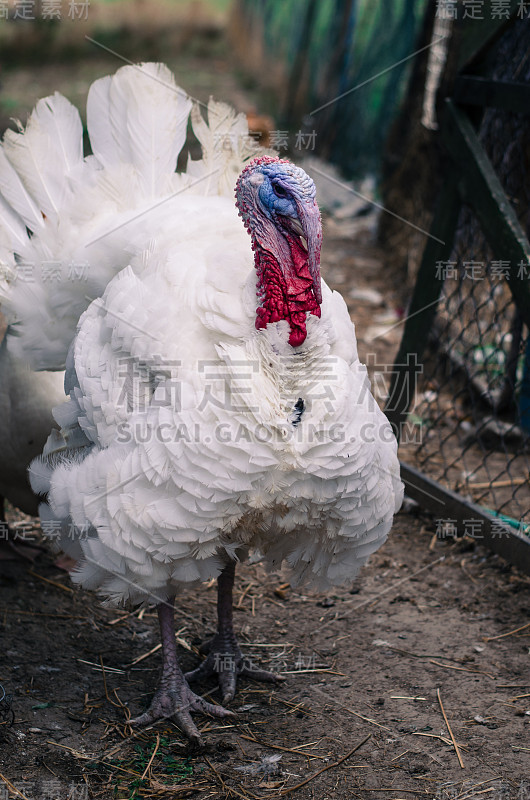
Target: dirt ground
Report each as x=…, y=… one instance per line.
x=431, y=628
x=368, y=661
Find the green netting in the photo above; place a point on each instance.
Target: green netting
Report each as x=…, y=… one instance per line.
x=329, y=47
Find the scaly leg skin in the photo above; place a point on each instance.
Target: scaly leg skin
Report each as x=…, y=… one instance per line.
x=173, y=697
x=225, y=658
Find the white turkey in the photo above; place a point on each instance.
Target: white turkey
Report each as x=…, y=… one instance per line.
x=217, y=403
x=26, y=402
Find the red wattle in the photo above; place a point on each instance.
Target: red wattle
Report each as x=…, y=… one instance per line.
x=285, y=297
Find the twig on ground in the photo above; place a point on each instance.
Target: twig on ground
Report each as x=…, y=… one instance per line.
x=279, y=747
x=153, y=754
x=13, y=788
x=158, y=647
x=462, y=669
x=373, y=600
x=291, y=789
x=349, y=710
x=228, y=789
x=503, y=635
x=52, y=583
x=457, y=751
x=463, y=794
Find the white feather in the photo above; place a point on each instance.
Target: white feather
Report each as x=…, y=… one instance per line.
x=167, y=471
x=12, y=227
x=47, y=152
x=102, y=141
x=226, y=147
x=139, y=117
x=16, y=195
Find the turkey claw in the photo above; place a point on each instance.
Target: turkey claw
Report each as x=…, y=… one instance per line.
x=226, y=661
x=177, y=703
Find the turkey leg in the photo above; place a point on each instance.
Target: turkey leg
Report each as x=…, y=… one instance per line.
x=173, y=697
x=225, y=658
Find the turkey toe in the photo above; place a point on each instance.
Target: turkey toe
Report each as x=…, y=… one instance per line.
x=177, y=702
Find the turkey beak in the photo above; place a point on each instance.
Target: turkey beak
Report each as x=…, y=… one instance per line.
x=308, y=227
x=312, y=232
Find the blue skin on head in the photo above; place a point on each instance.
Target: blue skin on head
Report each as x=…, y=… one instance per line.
x=284, y=184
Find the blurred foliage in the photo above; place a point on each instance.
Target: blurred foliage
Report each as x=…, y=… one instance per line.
x=300, y=53
x=327, y=47
x=33, y=32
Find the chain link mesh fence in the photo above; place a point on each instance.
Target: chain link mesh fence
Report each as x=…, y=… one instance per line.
x=472, y=402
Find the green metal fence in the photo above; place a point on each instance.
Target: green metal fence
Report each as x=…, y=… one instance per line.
x=463, y=366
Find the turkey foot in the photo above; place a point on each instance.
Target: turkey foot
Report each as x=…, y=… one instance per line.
x=16, y=548
x=173, y=697
x=225, y=658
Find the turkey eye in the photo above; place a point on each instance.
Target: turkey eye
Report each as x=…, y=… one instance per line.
x=279, y=191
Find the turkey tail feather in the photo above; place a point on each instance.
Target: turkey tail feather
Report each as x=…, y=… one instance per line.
x=89, y=216
x=44, y=155
x=226, y=146
x=17, y=196
x=139, y=117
